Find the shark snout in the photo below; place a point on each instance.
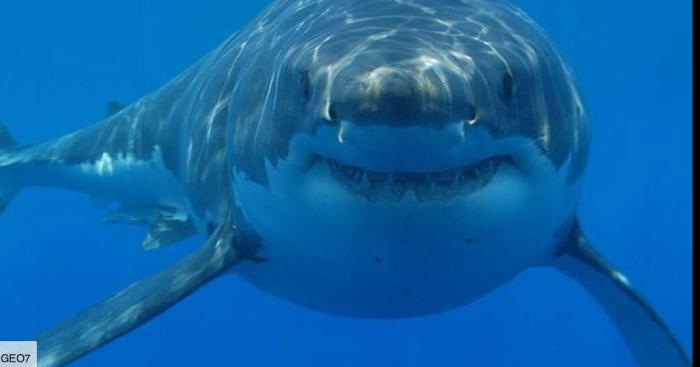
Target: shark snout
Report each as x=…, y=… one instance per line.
x=406, y=121
x=402, y=96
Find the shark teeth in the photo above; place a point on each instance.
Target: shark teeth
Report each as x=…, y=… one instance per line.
x=425, y=186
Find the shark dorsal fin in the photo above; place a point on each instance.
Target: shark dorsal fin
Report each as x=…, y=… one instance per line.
x=6, y=139
x=114, y=108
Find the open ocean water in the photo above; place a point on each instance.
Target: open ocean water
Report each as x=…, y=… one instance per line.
x=62, y=62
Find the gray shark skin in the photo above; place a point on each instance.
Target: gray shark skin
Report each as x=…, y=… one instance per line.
x=370, y=159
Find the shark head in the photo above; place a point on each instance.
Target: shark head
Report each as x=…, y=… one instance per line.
x=443, y=140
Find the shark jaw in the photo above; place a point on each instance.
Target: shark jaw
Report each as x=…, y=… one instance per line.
x=394, y=186
x=391, y=164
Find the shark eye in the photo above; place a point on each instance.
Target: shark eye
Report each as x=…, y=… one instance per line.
x=507, y=87
x=305, y=82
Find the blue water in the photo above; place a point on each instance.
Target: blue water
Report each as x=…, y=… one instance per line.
x=61, y=62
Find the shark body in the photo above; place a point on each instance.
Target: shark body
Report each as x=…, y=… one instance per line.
x=371, y=159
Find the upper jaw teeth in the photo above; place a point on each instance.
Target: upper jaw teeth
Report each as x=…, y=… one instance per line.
x=425, y=186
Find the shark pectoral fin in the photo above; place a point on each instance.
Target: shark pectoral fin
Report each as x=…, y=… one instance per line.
x=137, y=304
x=649, y=339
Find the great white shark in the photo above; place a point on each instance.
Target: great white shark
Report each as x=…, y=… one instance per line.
x=371, y=159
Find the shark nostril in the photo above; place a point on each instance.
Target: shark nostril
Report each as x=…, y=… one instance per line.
x=472, y=115
x=332, y=114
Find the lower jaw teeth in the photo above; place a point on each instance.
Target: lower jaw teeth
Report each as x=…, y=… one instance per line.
x=395, y=187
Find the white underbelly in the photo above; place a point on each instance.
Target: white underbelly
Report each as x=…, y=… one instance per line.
x=362, y=259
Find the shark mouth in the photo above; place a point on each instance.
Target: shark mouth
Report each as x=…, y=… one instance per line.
x=425, y=186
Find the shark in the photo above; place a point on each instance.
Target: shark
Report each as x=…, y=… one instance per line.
x=375, y=159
